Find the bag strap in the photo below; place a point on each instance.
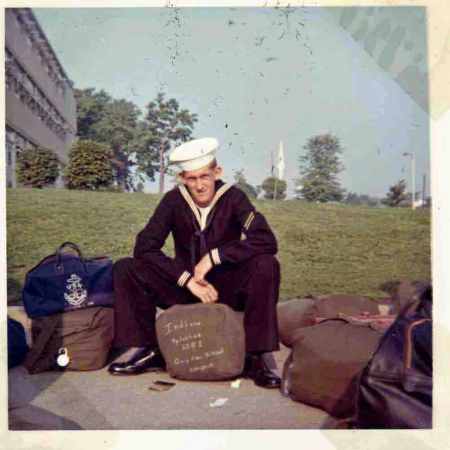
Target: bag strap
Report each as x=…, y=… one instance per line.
x=73, y=246
x=59, y=252
x=49, y=325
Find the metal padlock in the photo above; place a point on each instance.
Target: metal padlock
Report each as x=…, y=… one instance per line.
x=63, y=358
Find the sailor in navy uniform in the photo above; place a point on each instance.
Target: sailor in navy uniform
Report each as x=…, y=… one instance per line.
x=224, y=252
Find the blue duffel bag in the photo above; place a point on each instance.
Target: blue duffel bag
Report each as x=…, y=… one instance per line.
x=64, y=282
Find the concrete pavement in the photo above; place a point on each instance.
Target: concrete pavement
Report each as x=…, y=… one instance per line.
x=96, y=400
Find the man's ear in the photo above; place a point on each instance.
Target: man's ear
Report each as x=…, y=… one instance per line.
x=218, y=172
x=180, y=178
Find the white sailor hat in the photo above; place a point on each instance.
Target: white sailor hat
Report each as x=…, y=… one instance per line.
x=194, y=154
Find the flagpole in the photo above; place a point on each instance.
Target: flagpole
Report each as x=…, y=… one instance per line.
x=271, y=163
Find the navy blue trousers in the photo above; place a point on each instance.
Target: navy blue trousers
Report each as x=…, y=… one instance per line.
x=251, y=287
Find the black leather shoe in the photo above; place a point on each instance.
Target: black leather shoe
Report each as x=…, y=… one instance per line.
x=256, y=369
x=144, y=360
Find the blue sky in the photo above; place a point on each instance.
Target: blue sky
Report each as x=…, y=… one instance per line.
x=254, y=76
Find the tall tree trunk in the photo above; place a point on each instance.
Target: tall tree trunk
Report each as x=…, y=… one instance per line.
x=161, y=166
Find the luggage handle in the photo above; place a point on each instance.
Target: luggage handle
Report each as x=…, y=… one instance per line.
x=73, y=246
x=407, y=354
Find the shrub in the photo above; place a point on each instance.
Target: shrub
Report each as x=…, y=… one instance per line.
x=90, y=166
x=271, y=184
x=396, y=194
x=37, y=167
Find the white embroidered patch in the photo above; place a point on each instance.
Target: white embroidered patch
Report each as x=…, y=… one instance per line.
x=75, y=293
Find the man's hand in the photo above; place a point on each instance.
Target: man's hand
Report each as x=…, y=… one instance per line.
x=203, y=290
x=202, y=268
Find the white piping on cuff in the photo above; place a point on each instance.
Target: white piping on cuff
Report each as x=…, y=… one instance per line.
x=183, y=278
x=215, y=256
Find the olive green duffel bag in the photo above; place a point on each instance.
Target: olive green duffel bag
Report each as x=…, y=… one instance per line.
x=202, y=341
x=74, y=340
x=325, y=363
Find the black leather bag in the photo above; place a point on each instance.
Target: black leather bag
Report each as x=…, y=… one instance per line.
x=395, y=389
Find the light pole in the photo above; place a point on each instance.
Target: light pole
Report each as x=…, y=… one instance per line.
x=413, y=178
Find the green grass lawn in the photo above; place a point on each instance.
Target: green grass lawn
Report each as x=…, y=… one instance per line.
x=322, y=248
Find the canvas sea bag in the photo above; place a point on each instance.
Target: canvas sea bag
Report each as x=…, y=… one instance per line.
x=74, y=340
x=335, y=305
x=325, y=362
x=294, y=314
x=202, y=341
x=298, y=313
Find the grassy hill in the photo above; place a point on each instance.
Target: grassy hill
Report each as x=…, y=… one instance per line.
x=322, y=248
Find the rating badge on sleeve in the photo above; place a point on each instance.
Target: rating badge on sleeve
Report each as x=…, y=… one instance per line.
x=75, y=293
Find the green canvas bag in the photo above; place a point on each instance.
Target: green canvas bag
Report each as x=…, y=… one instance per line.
x=202, y=341
x=74, y=340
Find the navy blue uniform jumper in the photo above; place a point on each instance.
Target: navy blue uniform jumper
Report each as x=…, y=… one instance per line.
x=241, y=245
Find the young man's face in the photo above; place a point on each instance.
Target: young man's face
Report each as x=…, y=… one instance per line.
x=201, y=184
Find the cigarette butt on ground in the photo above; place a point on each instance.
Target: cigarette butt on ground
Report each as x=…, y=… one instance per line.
x=161, y=386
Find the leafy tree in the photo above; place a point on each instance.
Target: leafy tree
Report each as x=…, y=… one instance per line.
x=319, y=169
x=37, y=167
x=242, y=184
x=396, y=194
x=145, y=151
x=167, y=126
x=134, y=142
x=117, y=129
x=91, y=106
x=90, y=166
x=110, y=121
x=274, y=188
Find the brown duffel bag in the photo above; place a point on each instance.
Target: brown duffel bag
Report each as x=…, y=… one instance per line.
x=331, y=306
x=325, y=362
x=295, y=314
x=202, y=341
x=74, y=340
